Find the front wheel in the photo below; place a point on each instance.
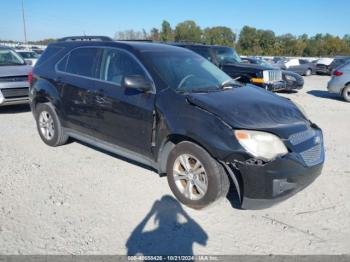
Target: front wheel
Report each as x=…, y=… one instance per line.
x=346, y=93
x=308, y=72
x=49, y=125
x=195, y=178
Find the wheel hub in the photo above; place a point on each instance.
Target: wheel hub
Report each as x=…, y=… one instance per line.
x=190, y=177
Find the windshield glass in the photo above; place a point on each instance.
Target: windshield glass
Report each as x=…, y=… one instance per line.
x=187, y=72
x=226, y=55
x=28, y=55
x=10, y=57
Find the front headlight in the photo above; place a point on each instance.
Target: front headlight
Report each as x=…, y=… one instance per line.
x=262, y=145
x=291, y=78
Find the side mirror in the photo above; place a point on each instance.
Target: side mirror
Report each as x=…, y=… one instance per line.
x=137, y=82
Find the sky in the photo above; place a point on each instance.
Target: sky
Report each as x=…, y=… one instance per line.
x=59, y=18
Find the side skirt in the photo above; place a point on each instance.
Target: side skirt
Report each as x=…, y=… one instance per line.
x=123, y=152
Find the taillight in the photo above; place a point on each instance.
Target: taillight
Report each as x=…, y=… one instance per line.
x=337, y=73
x=30, y=77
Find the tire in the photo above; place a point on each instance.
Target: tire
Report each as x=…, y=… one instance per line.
x=308, y=72
x=346, y=93
x=206, y=171
x=49, y=125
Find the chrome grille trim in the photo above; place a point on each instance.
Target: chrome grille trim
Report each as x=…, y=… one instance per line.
x=312, y=156
x=271, y=76
x=301, y=137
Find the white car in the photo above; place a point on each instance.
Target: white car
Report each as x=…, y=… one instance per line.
x=29, y=56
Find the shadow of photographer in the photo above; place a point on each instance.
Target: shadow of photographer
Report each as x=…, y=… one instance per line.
x=175, y=231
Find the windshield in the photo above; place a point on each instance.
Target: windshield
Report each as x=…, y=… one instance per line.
x=188, y=72
x=226, y=55
x=10, y=57
x=28, y=55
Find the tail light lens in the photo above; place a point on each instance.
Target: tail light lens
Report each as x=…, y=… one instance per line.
x=337, y=73
x=30, y=77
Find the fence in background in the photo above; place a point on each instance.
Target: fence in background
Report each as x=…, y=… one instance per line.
x=22, y=46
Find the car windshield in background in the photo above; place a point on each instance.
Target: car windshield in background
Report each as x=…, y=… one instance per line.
x=186, y=72
x=9, y=57
x=227, y=55
x=29, y=55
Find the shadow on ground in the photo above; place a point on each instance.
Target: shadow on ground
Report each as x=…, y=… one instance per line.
x=14, y=109
x=325, y=94
x=174, y=234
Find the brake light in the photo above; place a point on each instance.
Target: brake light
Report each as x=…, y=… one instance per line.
x=30, y=77
x=337, y=73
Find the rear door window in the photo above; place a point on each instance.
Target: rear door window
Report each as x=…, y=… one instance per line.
x=83, y=61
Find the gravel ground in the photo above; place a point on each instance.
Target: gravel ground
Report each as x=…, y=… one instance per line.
x=77, y=200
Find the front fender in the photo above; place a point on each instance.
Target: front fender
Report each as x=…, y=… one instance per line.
x=185, y=121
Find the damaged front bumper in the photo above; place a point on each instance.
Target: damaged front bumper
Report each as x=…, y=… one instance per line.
x=263, y=184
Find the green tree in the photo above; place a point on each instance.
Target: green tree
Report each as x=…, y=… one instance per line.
x=154, y=34
x=249, y=41
x=188, y=31
x=219, y=35
x=167, y=33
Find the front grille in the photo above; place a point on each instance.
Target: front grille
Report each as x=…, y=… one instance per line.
x=312, y=156
x=15, y=92
x=271, y=76
x=14, y=78
x=301, y=137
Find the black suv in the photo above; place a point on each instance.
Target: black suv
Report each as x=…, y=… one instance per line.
x=230, y=62
x=171, y=109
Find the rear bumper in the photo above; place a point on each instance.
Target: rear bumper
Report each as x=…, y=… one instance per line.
x=335, y=85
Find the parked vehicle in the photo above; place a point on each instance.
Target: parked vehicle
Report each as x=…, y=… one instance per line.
x=293, y=80
x=337, y=62
x=323, y=66
x=229, y=61
x=13, y=78
x=173, y=110
x=340, y=82
x=300, y=66
x=29, y=56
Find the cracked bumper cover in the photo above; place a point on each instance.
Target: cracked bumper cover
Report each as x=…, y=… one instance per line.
x=269, y=184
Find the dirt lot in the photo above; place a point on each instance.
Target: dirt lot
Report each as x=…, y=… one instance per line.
x=77, y=200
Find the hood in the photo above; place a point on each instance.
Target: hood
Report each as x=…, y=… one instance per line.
x=253, y=108
x=16, y=70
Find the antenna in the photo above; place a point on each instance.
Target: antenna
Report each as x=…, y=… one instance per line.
x=24, y=24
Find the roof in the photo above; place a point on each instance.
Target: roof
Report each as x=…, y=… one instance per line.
x=135, y=45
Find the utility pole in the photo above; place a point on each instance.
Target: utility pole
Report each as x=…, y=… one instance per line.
x=24, y=24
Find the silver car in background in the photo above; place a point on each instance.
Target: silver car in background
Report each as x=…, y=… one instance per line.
x=14, y=85
x=340, y=82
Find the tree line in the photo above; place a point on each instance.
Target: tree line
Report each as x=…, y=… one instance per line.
x=250, y=41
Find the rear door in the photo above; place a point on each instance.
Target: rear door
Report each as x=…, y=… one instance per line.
x=126, y=115
x=77, y=74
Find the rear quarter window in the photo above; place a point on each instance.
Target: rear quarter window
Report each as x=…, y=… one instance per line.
x=49, y=53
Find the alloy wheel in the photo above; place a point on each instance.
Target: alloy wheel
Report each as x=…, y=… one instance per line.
x=190, y=177
x=46, y=125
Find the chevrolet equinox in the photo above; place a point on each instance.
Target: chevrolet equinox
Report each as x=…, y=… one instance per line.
x=173, y=110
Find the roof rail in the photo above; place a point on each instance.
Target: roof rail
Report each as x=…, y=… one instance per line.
x=85, y=38
x=136, y=40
